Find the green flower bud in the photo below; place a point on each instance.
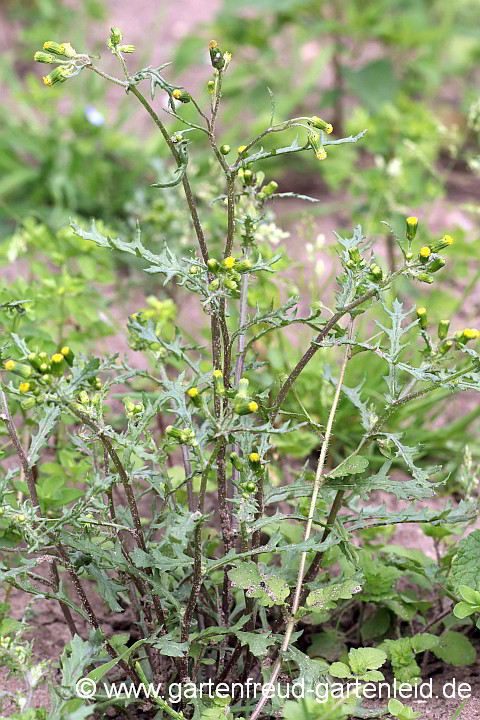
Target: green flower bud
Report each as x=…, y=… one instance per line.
x=250, y=486
x=230, y=284
x=247, y=177
x=424, y=277
x=58, y=364
x=83, y=398
x=408, y=256
x=46, y=379
x=129, y=404
x=211, y=86
x=320, y=124
x=243, y=384
x=317, y=146
x=212, y=265
x=63, y=49
x=214, y=285
x=412, y=225
x=216, y=56
x=445, y=347
x=270, y=188
x=218, y=380
x=182, y=95
x=193, y=270
x=351, y=265
x=261, y=196
x=28, y=403
x=139, y=408
x=446, y=241
x=24, y=371
x=443, y=326
x=173, y=432
x=354, y=254
x=58, y=75
x=424, y=255
x=34, y=360
x=243, y=266
x=44, y=368
x=127, y=48
x=43, y=57
x=436, y=264
x=225, y=149
x=423, y=317
x=68, y=354
x=245, y=407
x=116, y=36
x=376, y=272
x=236, y=462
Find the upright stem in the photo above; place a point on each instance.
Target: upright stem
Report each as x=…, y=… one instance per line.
x=308, y=528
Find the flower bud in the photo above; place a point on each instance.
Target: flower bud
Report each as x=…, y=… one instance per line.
x=270, y=188
x=236, y=462
x=245, y=407
x=218, y=380
x=211, y=86
x=243, y=266
x=216, y=56
x=129, y=405
x=241, y=149
x=317, y=146
x=230, y=284
x=57, y=364
x=58, y=75
x=320, y=124
x=34, y=360
x=229, y=262
x=212, y=265
x=182, y=95
x=376, y=272
x=83, y=398
x=351, y=265
x=408, y=256
x=24, y=371
x=248, y=177
x=43, y=57
x=127, y=48
x=173, y=432
x=424, y=254
x=214, y=285
x=423, y=317
x=116, y=36
x=354, y=254
x=28, y=403
x=470, y=334
x=194, y=396
x=193, y=270
x=443, y=326
x=243, y=384
x=46, y=379
x=445, y=347
x=63, y=49
x=436, y=264
x=424, y=277
x=68, y=354
x=225, y=149
x=446, y=241
x=412, y=226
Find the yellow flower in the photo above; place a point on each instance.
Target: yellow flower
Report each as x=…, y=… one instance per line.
x=241, y=149
x=176, y=94
x=193, y=392
x=10, y=365
x=229, y=262
x=57, y=358
x=252, y=406
x=424, y=253
x=212, y=44
x=321, y=155
x=24, y=387
x=471, y=334
x=254, y=457
x=65, y=350
x=448, y=239
x=217, y=374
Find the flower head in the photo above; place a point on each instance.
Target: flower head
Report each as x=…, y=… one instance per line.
x=252, y=406
x=24, y=387
x=192, y=392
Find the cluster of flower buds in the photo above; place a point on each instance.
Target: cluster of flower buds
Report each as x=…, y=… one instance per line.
x=113, y=42
x=228, y=273
x=61, y=54
x=132, y=409
x=249, y=485
x=428, y=254
x=40, y=373
x=355, y=259
x=375, y=272
x=267, y=190
x=183, y=437
x=244, y=405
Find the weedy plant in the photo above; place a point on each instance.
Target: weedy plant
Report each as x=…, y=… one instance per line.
x=222, y=560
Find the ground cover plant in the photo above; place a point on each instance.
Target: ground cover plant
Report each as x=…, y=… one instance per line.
x=175, y=489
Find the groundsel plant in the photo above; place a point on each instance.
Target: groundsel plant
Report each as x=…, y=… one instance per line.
x=179, y=517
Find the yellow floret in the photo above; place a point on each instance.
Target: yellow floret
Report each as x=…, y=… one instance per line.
x=217, y=373
x=10, y=365
x=193, y=392
x=254, y=457
x=229, y=262
x=425, y=252
x=252, y=406
x=24, y=387
x=448, y=239
x=412, y=220
x=57, y=358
